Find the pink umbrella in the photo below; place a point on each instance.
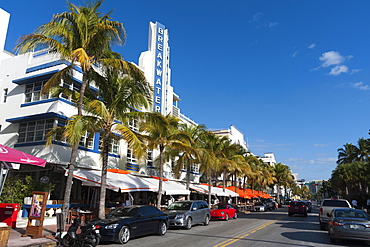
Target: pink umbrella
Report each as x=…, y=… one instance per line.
x=8, y=154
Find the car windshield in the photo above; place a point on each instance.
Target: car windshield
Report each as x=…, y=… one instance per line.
x=350, y=214
x=180, y=206
x=334, y=203
x=298, y=203
x=220, y=206
x=122, y=212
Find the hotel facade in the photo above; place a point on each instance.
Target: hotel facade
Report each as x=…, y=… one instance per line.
x=26, y=115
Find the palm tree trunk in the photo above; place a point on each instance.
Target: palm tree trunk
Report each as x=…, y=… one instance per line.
x=278, y=193
x=224, y=180
x=159, y=196
x=103, y=188
x=188, y=177
x=68, y=189
x=72, y=161
x=209, y=189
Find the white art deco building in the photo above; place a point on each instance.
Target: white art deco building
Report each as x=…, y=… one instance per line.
x=26, y=115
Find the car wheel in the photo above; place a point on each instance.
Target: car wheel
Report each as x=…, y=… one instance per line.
x=95, y=240
x=206, y=221
x=305, y=215
x=162, y=228
x=67, y=241
x=235, y=215
x=226, y=217
x=289, y=214
x=124, y=235
x=188, y=224
x=333, y=240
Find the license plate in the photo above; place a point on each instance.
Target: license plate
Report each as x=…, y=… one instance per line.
x=353, y=226
x=295, y=207
x=97, y=231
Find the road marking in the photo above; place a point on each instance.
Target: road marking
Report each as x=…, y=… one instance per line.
x=245, y=234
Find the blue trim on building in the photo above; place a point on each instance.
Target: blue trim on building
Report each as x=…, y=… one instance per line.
x=35, y=117
x=39, y=102
x=52, y=64
x=28, y=144
x=195, y=173
x=132, y=167
x=59, y=143
x=35, y=78
x=47, y=65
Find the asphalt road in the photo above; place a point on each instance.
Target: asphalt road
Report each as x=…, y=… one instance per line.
x=256, y=229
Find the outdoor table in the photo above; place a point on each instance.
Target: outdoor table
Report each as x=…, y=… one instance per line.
x=85, y=215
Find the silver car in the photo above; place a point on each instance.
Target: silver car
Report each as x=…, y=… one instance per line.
x=188, y=213
x=349, y=223
x=259, y=207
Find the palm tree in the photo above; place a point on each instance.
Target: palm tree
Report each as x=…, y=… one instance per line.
x=346, y=154
x=350, y=153
x=247, y=172
x=363, y=149
x=83, y=36
x=227, y=154
x=268, y=175
x=282, y=175
x=109, y=113
x=351, y=179
x=207, y=157
x=162, y=133
x=188, y=158
x=242, y=165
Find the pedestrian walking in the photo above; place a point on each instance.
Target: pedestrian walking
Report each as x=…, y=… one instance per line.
x=368, y=205
x=354, y=203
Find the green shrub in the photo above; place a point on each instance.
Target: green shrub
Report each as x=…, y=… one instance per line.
x=16, y=189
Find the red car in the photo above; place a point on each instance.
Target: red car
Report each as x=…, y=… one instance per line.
x=223, y=211
x=297, y=207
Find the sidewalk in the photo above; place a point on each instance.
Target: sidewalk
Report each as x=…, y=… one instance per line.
x=16, y=239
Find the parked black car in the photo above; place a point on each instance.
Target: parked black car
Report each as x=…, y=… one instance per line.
x=127, y=222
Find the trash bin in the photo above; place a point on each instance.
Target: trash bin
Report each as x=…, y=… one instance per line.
x=9, y=213
x=4, y=234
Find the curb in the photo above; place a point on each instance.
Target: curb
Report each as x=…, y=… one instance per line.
x=49, y=244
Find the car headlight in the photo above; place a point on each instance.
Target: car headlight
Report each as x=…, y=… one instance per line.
x=180, y=216
x=222, y=212
x=111, y=226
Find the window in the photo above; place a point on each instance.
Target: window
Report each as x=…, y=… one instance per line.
x=71, y=86
x=87, y=142
x=5, y=95
x=130, y=157
x=133, y=124
x=113, y=147
x=33, y=92
x=194, y=168
x=35, y=131
x=153, y=211
x=149, y=161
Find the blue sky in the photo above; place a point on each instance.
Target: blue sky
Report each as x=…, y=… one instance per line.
x=293, y=76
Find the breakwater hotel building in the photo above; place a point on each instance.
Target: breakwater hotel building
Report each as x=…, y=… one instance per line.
x=26, y=115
